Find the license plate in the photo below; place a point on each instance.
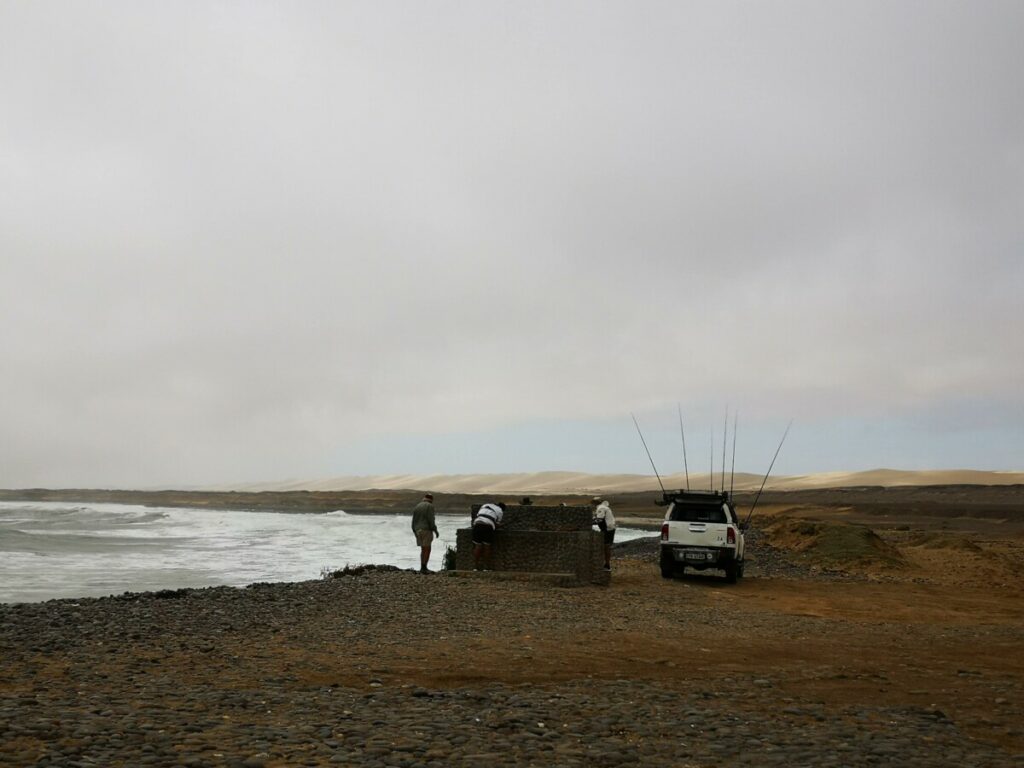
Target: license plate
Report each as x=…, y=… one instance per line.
x=698, y=556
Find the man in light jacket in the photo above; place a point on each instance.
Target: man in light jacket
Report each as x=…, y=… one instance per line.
x=605, y=520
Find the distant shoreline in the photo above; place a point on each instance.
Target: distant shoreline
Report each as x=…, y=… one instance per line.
x=990, y=501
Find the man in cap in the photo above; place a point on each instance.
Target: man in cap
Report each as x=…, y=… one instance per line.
x=424, y=527
x=605, y=520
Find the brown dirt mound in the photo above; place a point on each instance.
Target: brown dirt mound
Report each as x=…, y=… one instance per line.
x=944, y=541
x=834, y=544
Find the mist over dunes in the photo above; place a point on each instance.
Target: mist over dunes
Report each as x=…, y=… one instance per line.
x=580, y=482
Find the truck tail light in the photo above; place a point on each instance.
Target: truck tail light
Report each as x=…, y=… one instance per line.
x=664, y=532
x=730, y=535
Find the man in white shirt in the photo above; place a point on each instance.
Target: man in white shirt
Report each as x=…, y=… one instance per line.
x=605, y=520
x=487, y=519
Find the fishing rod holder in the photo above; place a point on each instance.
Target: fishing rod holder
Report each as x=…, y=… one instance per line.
x=668, y=497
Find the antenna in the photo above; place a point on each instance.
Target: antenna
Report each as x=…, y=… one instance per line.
x=725, y=442
x=711, y=474
x=649, y=455
x=682, y=435
x=732, y=475
x=751, y=512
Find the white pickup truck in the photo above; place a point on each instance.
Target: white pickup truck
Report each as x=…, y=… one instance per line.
x=701, y=530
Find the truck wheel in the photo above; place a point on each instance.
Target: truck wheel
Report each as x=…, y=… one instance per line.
x=668, y=567
x=731, y=573
x=739, y=570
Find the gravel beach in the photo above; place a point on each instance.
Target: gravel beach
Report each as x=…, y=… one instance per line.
x=391, y=668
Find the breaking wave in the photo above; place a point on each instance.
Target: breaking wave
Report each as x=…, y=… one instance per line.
x=74, y=550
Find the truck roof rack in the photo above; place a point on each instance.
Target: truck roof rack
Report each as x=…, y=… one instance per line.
x=695, y=497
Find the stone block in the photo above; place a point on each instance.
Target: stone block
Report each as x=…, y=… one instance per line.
x=542, y=540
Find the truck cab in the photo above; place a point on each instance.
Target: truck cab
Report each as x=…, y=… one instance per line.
x=701, y=530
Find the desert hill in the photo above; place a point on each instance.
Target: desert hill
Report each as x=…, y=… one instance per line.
x=579, y=482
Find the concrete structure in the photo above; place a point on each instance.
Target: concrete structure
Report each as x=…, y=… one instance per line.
x=542, y=540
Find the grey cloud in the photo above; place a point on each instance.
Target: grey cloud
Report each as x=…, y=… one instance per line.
x=235, y=237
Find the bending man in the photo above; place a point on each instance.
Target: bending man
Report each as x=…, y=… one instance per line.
x=486, y=520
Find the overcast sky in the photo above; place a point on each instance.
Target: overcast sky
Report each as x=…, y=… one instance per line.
x=256, y=241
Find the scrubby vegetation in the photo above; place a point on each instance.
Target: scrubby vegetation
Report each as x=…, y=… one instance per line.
x=355, y=570
x=833, y=544
x=944, y=541
x=448, y=562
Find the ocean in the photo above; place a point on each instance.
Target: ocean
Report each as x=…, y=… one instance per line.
x=66, y=550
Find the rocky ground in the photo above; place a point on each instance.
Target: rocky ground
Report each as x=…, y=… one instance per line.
x=798, y=664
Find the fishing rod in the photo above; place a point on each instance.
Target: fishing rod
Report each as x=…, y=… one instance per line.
x=732, y=474
x=682, y=435
x=725, y=442
x=649, y=455
x=751, y=512
x=711, y=473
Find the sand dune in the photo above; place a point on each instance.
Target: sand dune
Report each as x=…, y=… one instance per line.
x=579, y=482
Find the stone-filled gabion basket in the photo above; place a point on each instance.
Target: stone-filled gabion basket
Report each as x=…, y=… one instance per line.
x=555, y=540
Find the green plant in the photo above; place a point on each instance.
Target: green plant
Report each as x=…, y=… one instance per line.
x=448, y=561
x=326, y=572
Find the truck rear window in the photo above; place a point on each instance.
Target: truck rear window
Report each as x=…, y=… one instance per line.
x=698, y=513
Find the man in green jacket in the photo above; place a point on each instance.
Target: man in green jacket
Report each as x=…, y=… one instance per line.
x=424, y=527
